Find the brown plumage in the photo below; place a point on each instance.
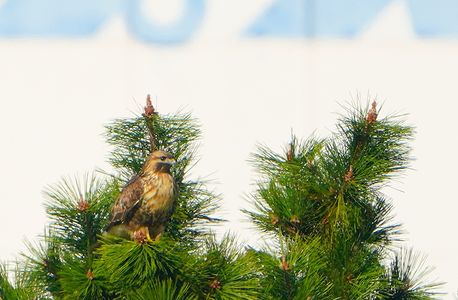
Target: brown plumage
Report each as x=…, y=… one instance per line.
x=147, y=201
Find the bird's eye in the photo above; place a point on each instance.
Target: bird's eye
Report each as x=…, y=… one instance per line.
x=163, y=158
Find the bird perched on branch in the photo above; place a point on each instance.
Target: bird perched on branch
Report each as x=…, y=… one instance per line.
x=146, y=202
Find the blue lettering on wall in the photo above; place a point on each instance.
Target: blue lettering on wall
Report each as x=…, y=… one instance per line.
x=435, y=19
x=320, y=18
x=284, y=18
x=182, y=29
x=80, y=18
x=54, y=18
x=345, y=19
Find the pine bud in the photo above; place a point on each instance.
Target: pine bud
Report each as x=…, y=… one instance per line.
x=294, y=219
x=289, y=155
x=82, y=205
x=284, y=263
x=149, y=108
x=290, y=152
x=325, y=221
x=349, y=175
x=310, y=163
x=140, y=237
x=291, y=229
x=274, y=219
x=215, y=284
x=90, y=275
x=372, y=114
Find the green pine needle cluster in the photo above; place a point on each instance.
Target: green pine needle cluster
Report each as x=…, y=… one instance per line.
x=320, y=205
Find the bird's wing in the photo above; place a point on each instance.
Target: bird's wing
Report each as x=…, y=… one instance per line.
x=128, y=202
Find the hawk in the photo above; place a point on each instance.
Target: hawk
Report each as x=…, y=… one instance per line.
x=147, y=201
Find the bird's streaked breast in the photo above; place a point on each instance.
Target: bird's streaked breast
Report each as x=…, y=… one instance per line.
x=159, y=192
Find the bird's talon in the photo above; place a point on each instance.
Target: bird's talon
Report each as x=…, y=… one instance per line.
x=148, y=237
x=158, y=237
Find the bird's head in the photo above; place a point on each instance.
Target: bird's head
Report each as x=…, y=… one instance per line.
x=159, y=161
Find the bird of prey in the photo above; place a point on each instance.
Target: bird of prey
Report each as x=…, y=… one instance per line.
x=147, y=201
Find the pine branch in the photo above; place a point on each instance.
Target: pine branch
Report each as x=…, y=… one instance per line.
x=220, y=270
x=293, y=270
x=353, y=268
x=163, y=290
x=407, y=278
x=81, y=282
x=79, y=211
x=41, y=264
x=18, y=287
x=128, y=265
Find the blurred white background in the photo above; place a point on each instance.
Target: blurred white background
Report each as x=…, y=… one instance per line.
x=246, y=74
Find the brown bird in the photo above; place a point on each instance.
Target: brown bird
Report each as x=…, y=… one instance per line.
x=146, y=202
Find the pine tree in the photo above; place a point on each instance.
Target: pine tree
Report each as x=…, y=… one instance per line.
x=322, y=201
x=320, y=205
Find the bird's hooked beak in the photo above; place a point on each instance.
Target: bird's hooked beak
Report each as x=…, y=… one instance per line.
x=166, y=160
x=167, y=163
x=170, y=161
